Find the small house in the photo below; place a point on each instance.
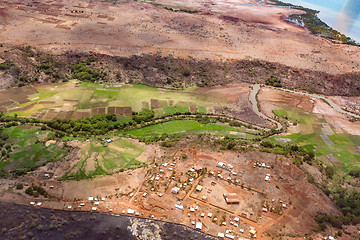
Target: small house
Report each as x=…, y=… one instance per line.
x=198, y=226
x=175, y=190
x=198, y=168
x=199, y=188
x=231, y=198
x=179, y=206
x=221, y=235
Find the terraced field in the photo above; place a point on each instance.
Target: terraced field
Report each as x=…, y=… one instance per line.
x=30, y=147
x=101, y=158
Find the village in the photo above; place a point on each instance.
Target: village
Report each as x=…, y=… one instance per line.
x=228, y=196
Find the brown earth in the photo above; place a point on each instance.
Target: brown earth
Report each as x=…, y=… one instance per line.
x=222, y=30
x=288, y=185
x=271, y=99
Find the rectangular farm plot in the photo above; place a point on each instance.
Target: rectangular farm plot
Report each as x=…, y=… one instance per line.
x=96, y=111
x=154, y=104
x=79, y=115
x=145, y=105
x=121, y=111
x=106, y=95
x=182, y=109
x=170, y=110
x=111, y=110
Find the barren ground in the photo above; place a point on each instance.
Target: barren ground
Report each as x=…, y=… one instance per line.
x=220, y=30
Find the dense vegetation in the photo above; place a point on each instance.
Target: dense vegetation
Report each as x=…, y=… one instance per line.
x=97, y=125
x=143, y=116
x=273, y=81
x=168, y=71
x=348, y=202
x=84, y=73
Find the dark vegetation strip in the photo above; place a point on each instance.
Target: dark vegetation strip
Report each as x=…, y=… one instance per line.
x=169, y=72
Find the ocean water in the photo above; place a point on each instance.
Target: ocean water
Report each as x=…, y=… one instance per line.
x=342, y=15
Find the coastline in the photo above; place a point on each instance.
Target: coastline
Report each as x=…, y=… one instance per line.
x=312, y=23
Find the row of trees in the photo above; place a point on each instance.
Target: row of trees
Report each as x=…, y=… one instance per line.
x=292, y=150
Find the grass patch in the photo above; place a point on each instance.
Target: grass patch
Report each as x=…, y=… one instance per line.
x=182, y=126
x=104, y=94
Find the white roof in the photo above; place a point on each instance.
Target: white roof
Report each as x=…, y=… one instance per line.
x=209, y=214
x=39, y=203
x=69, y=207
x=198, y=225
x=192, y=209
x=179, y=206
x=229, y=236
x=97, y=203
x=91, y=198
x=94, y=208
x=130, y=211
x=236, y=219
x=102, y=199
x=220, y=164
x=32, y=203
x=203, y=214
x=242, y=230
x=221, y=235
x=82, y=204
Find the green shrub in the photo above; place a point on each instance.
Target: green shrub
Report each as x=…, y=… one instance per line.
x=29, y=191
x=273, y=81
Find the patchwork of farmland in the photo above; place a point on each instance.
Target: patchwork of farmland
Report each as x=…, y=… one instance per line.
x=339, y=150
x=102, y=158
x=75, y=100
x=28, y=147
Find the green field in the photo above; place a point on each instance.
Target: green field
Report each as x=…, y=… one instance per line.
x=82, y=96
x=342, y=146
x=29, y=149
x=185, y=126
x=100, y=158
